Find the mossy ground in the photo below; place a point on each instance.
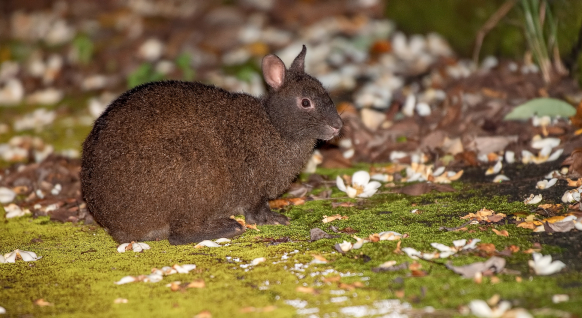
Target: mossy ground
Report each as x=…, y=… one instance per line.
x=80, y=264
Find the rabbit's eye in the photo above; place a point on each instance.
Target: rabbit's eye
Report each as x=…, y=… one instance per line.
x=306, y=103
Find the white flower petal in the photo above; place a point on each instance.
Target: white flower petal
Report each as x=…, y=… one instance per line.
x=10, y=257
x=374, y=185
x=471, y=244
x=543, y=265
x=480, y=308
x=143, y=246
x=441, y=247
x=361, y=178
x=411, y=252
x=136, y=247
x=494, y=169
x=438, y=171
x=359, y=243
x=28, y=256
x=533, y=199
x=556, y=155
x=222, y=240
x=153, y=278
x=6, y=195
x=500, y=177
x=345, y=246
x=389, y=236
x=2, y=310
x=509, y=156
x=545, y=142
x=121, y=248
x=207, y=243
x=258, y=260
x=459, y=243
x=340, y=184
x=351, y=192
x=125, y=280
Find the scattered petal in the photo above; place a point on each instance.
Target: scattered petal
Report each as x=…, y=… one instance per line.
x=494, y=169
x=543, y=265
x=533, y=199
x=207, y=243
x=258, y=260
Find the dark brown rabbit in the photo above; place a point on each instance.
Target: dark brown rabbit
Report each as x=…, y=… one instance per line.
x=176, y=159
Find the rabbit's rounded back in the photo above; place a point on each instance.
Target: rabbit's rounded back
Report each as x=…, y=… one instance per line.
x=175, y=159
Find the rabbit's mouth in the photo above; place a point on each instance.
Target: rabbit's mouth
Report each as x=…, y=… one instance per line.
x=331, y=132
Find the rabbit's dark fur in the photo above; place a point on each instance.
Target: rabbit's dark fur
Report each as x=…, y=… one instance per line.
x=176, y=159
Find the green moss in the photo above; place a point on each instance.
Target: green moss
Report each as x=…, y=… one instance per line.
x=80, y=264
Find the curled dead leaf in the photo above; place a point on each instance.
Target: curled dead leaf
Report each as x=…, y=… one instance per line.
x=42, y=303
x=280, y=203
x=307, y=290
x=501, y=233
x=327, y=219
x=199, y=283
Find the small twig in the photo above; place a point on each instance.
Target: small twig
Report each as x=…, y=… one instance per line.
x=490, y=24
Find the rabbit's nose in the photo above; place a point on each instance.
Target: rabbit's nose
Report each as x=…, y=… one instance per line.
x=337, y=123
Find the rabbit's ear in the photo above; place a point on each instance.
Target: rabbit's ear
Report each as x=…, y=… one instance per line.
x=299, y=62
x=273, y=71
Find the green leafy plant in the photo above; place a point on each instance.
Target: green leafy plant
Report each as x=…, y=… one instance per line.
x=536, y=14
x=183, y=63
x=84, y=48
x=143, y=74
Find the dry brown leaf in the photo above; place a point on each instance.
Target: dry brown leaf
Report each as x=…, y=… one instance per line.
x=496, y=217
x=252, y=227
x=307, y=290
x=320, y=258
x=527, y=225
x=175, y=286
x=199, y=283
x=495, y=280
x=418, y=273
x=399, y=293
x=415, y=266
x=280, y=203
x=501, y=233
x=574, y=183
x=327, y=219
x=42, y=303
x=513, y=248
x=374, y=238
x=486, y=247
x=397, y=249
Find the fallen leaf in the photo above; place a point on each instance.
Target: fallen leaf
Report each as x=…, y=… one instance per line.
x=327, y=219
x=486, y=247
x=199, y=283
x=307, y=290
x=399, y=293
x=280, y=203
x=252, y=227
x=574, y=183
x=527, y=225
x=493, y=264
x=397, y=249
x=350, y=286
x=319, y=259
x=42, y=303
x=501, y=233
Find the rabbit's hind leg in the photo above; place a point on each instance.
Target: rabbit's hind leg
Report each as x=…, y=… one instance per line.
x=263, y=215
